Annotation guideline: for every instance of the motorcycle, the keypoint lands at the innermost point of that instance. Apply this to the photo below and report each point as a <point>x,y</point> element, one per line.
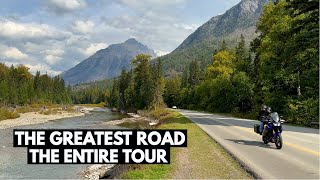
<point>272,130</point>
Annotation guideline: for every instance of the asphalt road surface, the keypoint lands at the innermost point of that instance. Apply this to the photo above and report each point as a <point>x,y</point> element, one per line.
<point>298,158</point>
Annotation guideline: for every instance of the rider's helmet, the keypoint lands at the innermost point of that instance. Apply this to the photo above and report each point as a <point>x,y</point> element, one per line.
<point>263,107</point>
<point>268,109</point>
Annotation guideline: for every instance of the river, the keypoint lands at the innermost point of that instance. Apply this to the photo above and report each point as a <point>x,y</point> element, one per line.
<point>13,161</point>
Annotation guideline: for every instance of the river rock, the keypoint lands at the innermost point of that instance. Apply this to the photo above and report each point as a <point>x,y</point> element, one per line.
<point>98,171</point>
<point>114,110</point>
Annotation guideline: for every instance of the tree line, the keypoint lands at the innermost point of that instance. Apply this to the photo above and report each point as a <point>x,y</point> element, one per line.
<point>19,87</point>
<point>92,92</point>
<point>90,95</point>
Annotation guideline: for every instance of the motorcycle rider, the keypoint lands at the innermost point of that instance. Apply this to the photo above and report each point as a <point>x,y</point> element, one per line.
<point>262,115</point>
<point>266,117</point>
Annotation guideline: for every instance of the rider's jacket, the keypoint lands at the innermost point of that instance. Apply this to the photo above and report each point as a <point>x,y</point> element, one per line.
<point>263,114</point>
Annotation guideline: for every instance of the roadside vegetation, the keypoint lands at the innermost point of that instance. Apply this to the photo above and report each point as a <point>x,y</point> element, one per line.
<point>202,159</point>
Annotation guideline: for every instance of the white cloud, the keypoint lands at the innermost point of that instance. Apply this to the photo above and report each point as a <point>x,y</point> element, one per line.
<point>14,30</point>
<point>55,52</point>
<point>43,69</point>
<point>12,53</point>
<point>161,53</point>
<point>32,47</point>
<point>94,48</point>
<point>33,68</point>
<point>83,26</point>
<point>53,56</point>
<point>191,27</point>
<point>146,4</point>
<point>62,6</point>
<point>51,59</point>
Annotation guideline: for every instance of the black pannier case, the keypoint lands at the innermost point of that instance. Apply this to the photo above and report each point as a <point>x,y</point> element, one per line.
<point>256,128</point>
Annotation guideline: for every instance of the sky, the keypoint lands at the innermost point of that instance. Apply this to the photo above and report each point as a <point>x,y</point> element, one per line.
<point>52,36</point>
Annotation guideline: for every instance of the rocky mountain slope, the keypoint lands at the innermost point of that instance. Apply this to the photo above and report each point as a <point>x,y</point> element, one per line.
<point>106,63</point>
<point>200,45</point>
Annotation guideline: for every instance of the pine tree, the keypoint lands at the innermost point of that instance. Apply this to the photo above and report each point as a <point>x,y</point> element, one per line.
<point>223,46</point>
<point>143,85</point>
<point>185,77</point>
<point>158,81</point>
<point>194,73</point>
<point>123,85</point>
<point>242,63</point>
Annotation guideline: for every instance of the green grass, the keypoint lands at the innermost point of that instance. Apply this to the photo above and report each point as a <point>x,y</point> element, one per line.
<point>203,158</point>
<point>150,171</point>
<point>7,114</point>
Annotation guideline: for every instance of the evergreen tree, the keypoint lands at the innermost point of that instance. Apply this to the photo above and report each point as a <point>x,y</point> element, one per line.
<point>185,77</point>
<point>143,82</point>
<point>123,85</point>
<point>223,46</point>
<point>20,87</point>
<point>194,73</point>
<point>242,62</point>
<point>158,81</point>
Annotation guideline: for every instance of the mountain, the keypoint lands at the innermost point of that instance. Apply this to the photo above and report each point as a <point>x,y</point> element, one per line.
<point>201,44</point>
<point>106,63</point>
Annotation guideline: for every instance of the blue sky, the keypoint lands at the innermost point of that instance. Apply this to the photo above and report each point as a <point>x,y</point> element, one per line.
<point>54,35</point>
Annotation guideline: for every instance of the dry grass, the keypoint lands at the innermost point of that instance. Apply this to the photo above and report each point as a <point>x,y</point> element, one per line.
<point>8,114</point>
<point>102,104</point>
<point>49,111</point>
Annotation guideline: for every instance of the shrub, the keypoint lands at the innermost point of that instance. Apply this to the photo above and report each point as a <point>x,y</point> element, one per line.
<point>7,114</point>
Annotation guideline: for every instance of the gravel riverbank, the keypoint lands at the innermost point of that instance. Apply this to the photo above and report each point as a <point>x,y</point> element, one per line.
<point>37,118</point>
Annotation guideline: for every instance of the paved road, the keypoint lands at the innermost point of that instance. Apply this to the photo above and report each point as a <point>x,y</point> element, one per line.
<point>298,159</point>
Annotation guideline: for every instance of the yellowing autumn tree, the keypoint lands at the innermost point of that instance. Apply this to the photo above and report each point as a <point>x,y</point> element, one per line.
<point>223,64</point>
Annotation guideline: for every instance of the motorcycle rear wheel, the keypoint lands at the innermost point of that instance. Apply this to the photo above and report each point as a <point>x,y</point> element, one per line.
<point>265,139</point>
<point>278,141</point>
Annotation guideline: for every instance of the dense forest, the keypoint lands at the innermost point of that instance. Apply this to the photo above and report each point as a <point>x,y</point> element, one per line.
<point>280,69</point>
<point>19,87</point>
<point>93,92</point>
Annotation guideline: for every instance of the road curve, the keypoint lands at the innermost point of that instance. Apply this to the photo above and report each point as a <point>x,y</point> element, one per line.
<point>298,159</point>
